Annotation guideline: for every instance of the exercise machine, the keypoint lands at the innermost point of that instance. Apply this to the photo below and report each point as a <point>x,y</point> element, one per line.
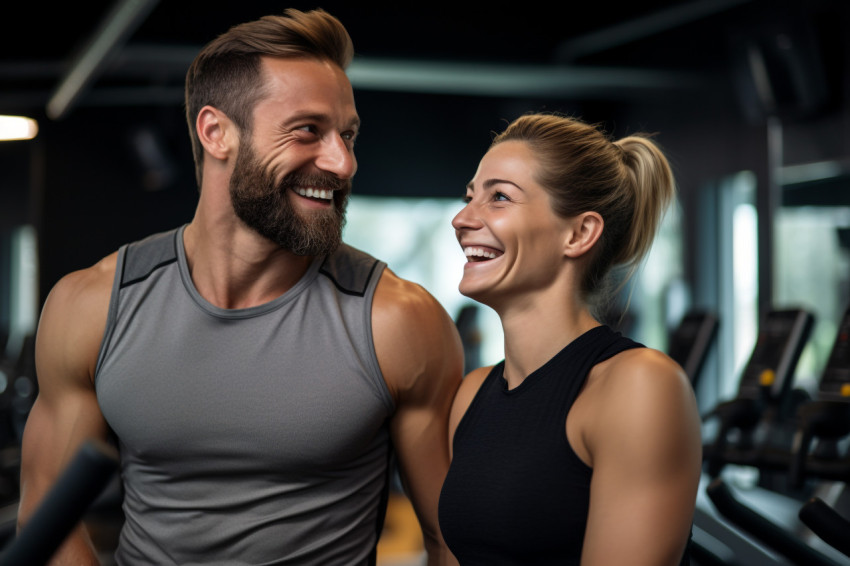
<point>814,533</point>
<point>787,542</point>
<point>765,399</point>
<point>824,422</point>
<point>691,341</point>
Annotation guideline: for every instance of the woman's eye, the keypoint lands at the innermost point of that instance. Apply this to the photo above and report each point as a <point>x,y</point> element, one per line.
<point>500,196</point>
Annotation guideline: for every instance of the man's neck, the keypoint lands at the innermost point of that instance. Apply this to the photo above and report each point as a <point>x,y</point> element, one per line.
<point>234,267</point>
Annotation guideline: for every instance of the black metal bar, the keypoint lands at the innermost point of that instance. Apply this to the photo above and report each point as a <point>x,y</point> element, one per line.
<point>63,506</point>
<point>825,522</point>
<point>781,540</point>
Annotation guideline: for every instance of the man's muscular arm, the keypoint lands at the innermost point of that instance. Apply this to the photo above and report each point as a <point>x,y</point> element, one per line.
<point>66,412</point>
<point>421,357</point>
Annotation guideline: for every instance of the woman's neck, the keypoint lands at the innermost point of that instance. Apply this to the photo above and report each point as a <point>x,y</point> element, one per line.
<point>534,332</point>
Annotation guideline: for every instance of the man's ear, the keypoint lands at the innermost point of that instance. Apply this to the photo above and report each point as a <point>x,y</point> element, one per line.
<point>584,231</point>
<point>216,132</point>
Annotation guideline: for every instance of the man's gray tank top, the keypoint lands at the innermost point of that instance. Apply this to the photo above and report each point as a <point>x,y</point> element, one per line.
<point>247,436</point>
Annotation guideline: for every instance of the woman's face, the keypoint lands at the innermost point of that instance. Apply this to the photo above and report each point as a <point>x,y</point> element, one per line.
<point>512,239</point>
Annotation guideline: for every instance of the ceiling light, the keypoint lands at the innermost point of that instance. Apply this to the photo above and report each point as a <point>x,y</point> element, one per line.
<point>17,128</point>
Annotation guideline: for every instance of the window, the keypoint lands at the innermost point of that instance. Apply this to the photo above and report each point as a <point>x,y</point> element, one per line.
<point>415,237</point>
<point>813,271</point>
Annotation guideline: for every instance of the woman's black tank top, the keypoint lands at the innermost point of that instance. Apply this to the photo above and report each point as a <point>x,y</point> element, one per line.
<point>516,492</point>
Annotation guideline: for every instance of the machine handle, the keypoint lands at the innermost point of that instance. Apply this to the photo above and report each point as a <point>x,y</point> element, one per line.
<point>769,533</point>
<point>63,506</point>
<point>825,522</point>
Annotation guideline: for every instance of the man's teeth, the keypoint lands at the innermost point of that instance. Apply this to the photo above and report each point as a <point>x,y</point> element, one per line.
<point>478,252</point>
<point>316,193</point>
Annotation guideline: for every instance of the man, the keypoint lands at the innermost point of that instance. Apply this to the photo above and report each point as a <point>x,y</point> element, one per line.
<point>253,369</point>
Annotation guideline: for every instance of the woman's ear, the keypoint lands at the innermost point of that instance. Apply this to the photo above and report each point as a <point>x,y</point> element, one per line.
<point>583,232</point>
<point>216,132</point>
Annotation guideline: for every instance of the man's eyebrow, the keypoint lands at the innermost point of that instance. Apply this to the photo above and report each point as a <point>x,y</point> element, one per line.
<point>321,118</point>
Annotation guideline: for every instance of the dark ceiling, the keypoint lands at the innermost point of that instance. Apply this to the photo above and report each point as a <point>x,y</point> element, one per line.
<point>432,81</point>
<point>135,52</point>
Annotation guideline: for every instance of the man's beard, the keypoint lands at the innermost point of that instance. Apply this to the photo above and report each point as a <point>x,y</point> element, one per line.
<point>263,205</point>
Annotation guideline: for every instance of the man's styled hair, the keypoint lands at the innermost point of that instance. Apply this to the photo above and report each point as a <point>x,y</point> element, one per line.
<point>227,73</point>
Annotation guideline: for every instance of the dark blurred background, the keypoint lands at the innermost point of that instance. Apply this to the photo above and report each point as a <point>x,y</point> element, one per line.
<point>749,98</point>
<point>112,161</point>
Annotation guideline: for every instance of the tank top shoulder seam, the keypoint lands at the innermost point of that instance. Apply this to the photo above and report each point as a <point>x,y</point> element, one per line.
<point>125,284</point>
<point>345,290</point>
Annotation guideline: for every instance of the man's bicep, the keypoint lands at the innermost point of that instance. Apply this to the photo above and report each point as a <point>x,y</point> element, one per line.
<point>53,434</point>
<point>65,412</point>
<point>427,378</point>
<point>421,358</point>
<point>414,338</point>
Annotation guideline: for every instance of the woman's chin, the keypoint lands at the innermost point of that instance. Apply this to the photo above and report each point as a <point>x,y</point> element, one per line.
<point>475,291</point>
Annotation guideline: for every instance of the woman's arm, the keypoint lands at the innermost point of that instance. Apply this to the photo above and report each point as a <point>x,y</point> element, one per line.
<point>642,434</point>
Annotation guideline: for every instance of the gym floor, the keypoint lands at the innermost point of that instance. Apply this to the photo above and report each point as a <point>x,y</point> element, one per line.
<point>401,541</point>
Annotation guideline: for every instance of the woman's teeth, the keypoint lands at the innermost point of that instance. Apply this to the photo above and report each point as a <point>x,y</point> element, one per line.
<point>478,252</point>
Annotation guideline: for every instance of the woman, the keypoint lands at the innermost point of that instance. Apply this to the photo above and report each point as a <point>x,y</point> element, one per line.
<point>581,447</point>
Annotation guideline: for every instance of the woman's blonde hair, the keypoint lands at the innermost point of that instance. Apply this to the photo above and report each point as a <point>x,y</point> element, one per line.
<point>629,182</point>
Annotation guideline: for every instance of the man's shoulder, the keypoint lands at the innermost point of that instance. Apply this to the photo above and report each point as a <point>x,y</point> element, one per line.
<point>82,294</point>
<point>95,282</point>
<point>89,278</point>
<point>144,256</point>
<point>409,310</point>
<point>351,270</point>
<point>417,342</point>
<point>348,253</point>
